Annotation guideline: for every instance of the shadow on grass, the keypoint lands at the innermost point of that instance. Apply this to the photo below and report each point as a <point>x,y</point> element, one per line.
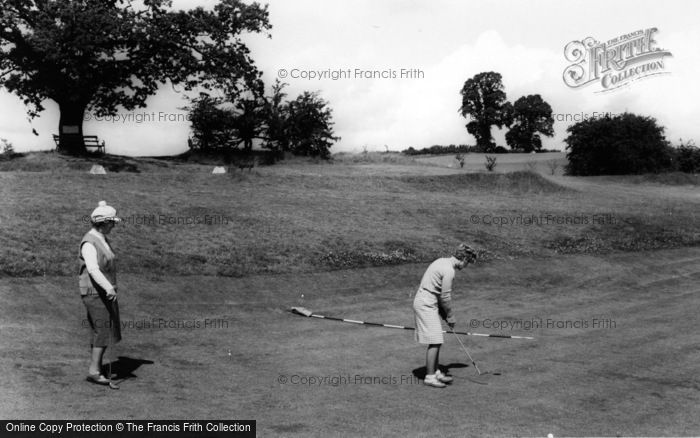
<point>124,367</point>
<point>419,373</point>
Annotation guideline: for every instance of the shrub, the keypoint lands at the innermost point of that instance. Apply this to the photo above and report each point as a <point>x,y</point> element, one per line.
<point>490,163</point>
<point>617,145</point>
<point>438,150</point>
<point>687,157</point>
<point>310,128</point>
<point>7,147</point>
<point>212,124</point>
<point>7,150</point>
<point>346,259</point>
<point>270,158</point>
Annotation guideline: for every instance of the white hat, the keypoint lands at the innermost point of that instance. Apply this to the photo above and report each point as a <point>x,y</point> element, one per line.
<point>104,213</point>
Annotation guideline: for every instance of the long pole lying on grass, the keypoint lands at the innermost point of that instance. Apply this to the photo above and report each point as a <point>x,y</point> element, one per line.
<point>305,312</point>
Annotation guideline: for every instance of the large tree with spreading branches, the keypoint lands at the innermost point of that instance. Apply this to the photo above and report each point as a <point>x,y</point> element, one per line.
<point>99,55</point>
<point>531,117</point>
<point>484,102</point>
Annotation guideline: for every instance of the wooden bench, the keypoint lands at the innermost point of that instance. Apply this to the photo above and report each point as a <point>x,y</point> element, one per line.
<point>91,141</point>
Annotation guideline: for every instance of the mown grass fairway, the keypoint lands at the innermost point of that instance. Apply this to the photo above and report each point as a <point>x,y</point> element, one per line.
<point>355,239</point>
<point>474,162</point>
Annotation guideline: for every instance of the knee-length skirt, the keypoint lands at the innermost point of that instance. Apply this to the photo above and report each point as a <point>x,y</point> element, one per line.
<point>103,319</point>
<point>428,325</point>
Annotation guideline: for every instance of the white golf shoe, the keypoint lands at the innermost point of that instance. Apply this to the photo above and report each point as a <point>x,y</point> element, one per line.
<point>442,377</point>
<point>432,380</point>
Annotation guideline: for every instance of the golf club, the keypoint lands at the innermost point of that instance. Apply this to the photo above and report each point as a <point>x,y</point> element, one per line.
<point>305,312</point>
<point>112,385</point>
<point>480,377</point>
<point>466,351</point>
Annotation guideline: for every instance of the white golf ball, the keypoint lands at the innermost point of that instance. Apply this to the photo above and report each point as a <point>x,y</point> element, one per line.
<point>549,435</point>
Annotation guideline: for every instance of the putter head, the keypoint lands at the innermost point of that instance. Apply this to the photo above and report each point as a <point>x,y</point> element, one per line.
<point>301,311</point>
<point>479,379</point>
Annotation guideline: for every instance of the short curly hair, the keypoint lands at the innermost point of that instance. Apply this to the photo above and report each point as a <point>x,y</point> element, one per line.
<point>465,252</point>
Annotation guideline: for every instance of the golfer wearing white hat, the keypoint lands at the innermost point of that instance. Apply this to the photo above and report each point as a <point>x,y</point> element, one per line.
<point>433,300</point>
<point>98,288</point>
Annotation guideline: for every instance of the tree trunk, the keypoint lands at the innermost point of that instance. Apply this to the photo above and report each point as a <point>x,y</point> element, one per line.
<point>485,141</point>
<point>70,128</point>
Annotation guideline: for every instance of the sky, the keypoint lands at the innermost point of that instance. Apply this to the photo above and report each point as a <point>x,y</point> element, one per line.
<point>363,46</point>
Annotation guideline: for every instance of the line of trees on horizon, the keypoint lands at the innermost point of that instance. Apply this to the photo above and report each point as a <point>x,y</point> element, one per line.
<point>463,149</point>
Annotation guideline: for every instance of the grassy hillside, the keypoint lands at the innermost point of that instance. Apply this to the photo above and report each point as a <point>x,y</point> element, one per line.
<point>303,217</point>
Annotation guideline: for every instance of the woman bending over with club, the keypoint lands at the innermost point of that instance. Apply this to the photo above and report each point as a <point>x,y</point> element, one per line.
<point>433,301</point>
<point>98,288</point>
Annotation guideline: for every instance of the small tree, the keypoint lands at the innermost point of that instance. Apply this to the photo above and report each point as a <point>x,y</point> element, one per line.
<point>617,145</point>
<point>212,124</point>
<point>249,119</point>
<point>276,137</point>
<point>490,163</point>
<point>310,126</point>
<point>8,148</point>
<point>532,116</point>
<point>687,157</point>
<point>484,102</point>
<point>553,165</point>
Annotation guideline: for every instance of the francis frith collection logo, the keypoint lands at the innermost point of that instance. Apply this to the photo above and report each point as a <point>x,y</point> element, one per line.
<point>614,63</point>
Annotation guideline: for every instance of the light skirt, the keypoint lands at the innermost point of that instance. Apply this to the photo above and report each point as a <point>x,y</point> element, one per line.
<point>428,326</point>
